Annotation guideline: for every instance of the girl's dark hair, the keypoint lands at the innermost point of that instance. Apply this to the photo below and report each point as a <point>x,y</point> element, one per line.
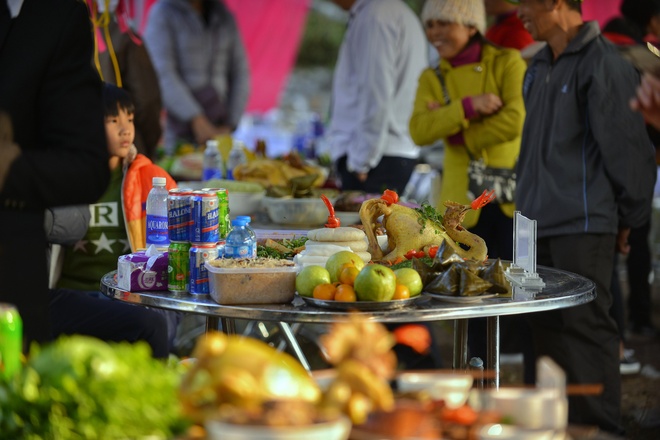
<point>640,11</point>
<point>116,99</point>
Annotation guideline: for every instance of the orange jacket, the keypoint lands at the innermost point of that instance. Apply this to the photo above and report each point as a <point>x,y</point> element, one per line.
<point>136,185</point>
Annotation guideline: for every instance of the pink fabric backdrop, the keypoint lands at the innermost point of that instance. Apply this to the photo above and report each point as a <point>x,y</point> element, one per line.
<point>271,31</point>
<point>601,10</point>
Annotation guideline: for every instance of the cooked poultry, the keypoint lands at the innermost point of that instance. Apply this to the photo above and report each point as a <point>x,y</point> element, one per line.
<point>409,229</point>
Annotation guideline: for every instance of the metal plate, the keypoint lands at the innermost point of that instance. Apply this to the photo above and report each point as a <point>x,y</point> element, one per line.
<point>460,299</point>
<point>363,306</point>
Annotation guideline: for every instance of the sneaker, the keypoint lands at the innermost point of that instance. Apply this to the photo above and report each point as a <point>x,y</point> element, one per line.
<point>629,365</point>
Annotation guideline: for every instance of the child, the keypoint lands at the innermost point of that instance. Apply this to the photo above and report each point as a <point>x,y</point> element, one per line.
<point>116,227</point>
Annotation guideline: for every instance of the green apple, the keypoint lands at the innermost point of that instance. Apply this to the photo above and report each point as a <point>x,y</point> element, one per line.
<point>309,278</point>
<point>375,283</point>
<point>410,278</point>
<point>337,260</point>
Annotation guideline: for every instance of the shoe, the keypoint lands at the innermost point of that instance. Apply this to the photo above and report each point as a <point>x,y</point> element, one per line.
<point>629,365</point>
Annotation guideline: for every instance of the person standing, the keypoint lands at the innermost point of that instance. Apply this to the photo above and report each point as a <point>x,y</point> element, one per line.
<point>53,151</point>
<point>380,59</point>
<point>197,51</point>
<point>586,173</point>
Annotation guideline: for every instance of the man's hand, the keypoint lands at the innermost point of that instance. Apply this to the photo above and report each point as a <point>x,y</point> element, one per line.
<point>647,100</point>
<point>432,105</point>
<point>622,245</point>
<point>9,151</point>
<point>486,104</point>
<point>362,177</point>
<point>202,129</point>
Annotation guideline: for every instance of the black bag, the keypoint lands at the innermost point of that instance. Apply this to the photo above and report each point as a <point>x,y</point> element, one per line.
<point>482,177</point>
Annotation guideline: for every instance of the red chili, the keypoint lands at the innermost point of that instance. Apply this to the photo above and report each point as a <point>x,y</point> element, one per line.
<point>410,254</point>
<point>390,196</point>
<point>433,250</point>
<point>333,222</point>
<point>485,198</point>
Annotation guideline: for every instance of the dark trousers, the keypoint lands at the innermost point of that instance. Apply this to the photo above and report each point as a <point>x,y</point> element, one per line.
<point>391,173</point>
<point>24,271</point>
<point>76,312</point>
<point>583,340</point>
<point>639,265</point>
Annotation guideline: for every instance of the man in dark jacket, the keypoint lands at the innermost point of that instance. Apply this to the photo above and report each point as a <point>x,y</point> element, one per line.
<point>586,173</point>
<point>57,154</point>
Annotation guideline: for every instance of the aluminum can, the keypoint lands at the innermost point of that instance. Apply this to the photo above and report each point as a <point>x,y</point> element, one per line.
<point>11,340</point>
<point>224,222</point>
<point>179,217</point>
<point>199,275</point>
<point>178,266</point>
<point>204,210</point>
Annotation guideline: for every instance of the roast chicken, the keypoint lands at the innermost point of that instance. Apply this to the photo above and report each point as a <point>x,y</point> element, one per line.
<point>414,229</point>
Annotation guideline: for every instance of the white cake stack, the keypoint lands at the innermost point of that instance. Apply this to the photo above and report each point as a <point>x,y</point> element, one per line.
<point>324,242</point>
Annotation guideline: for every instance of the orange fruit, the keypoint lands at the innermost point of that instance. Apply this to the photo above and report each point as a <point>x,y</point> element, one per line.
<point>345,293</point>
<point>325,291</point>
<point>401,292</point>
<point>348,274</point>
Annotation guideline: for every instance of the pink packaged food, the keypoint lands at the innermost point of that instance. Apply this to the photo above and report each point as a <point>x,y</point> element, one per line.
<point>139,272</point>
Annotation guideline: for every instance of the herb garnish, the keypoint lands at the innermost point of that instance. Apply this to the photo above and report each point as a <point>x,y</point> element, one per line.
<point>427,212</point>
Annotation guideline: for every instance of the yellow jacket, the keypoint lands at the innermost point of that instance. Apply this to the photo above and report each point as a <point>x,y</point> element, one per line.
<point>496,137</point>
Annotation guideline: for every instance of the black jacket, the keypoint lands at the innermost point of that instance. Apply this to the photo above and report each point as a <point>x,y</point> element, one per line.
<point>586,164</point>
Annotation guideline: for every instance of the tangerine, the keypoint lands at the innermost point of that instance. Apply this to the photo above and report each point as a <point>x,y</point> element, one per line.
<point>325,291</point>
<point>348,274</point>
<point>346,293</point>
<point>401,292</point>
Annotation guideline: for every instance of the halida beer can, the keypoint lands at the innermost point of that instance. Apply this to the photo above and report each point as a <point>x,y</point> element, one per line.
<point>204,211</point>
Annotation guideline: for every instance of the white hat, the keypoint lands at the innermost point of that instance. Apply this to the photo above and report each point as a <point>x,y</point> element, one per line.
<point>465,12</point>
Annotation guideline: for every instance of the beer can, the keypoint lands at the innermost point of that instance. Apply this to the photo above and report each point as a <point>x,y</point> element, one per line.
<point>224,222</point>
<point>199,275</point>
<point>178,266</point>
<point>11,340</point>
<point>179,217</point>
<point>204,211</point>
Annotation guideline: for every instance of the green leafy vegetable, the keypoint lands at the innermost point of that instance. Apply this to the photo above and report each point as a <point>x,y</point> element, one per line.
<point>83,388</point>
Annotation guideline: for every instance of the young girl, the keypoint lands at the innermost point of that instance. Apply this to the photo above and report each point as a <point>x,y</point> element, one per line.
<point>116,227</point>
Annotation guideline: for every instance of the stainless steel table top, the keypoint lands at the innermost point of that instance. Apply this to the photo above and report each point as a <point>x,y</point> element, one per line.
<point>563,289</point>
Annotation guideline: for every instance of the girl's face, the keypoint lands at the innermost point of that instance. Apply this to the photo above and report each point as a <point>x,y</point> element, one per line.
<point>449,39</point>
<point>119,133</point>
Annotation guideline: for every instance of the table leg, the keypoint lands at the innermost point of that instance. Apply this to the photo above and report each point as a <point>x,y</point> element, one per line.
<point>459,361</point>
<point>212,323</point>
<point>228,326</point>
<point>493,349</point>
<point>290,338</point>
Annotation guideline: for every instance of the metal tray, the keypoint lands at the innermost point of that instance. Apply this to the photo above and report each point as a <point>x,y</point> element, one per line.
<point>363,306</point>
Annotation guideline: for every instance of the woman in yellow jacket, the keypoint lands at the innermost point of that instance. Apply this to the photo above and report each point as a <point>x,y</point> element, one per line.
<point>479,110</point>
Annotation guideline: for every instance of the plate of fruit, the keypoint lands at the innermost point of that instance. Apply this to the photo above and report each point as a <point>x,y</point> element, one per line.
<point>347,283</point>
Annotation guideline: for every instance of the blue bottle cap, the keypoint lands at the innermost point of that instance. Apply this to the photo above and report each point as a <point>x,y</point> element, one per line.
<point>238,221</point>
<point>247,218</point>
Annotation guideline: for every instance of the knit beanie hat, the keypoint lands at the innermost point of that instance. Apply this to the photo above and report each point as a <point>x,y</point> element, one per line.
<point>465,12</point>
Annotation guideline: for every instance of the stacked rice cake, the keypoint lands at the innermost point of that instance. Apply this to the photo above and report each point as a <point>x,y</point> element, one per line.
<point>324,242</point>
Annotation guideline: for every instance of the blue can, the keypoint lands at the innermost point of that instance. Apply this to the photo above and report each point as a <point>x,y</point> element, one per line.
<point>179,217</point>
<point>204,211</point>
<point>199,275</point>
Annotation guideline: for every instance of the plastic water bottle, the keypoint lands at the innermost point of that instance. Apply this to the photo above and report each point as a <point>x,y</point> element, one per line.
<point>252,233</point>
<point>212,167</point>
<point>236,157</point>
<point>239,243</point>
<point>157,215</point>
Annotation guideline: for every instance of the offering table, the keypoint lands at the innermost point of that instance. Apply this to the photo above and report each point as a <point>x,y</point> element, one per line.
<point>563,289</point>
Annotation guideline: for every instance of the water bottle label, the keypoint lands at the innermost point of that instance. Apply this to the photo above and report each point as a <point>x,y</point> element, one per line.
<point>242,251</point>
<point>211,173</point>
<point>157,230</point>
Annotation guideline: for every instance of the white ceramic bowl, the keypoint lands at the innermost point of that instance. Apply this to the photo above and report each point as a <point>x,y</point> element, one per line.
<point>509,432</point>
<point>536,408</point>
<point>289,211</point>
<point>454,389</point>
<point>244,203</point>
<point>335,430</point>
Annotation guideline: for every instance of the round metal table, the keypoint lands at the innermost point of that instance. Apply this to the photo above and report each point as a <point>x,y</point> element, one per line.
<point>563,289</point>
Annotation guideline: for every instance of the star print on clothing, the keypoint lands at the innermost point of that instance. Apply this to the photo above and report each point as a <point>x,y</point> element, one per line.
<point>126,244</point>
<point>81,246</point>
<point>103,243</point>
